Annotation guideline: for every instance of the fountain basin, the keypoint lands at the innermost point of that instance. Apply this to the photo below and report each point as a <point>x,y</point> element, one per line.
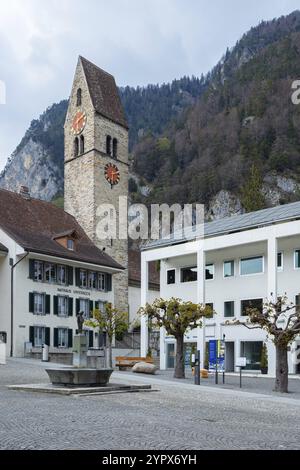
<point>79,376</point>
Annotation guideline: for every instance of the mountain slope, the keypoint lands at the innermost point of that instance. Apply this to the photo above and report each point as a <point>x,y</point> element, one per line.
<point>38,160</point>
<point>196,139</point>
<point>244,118</point>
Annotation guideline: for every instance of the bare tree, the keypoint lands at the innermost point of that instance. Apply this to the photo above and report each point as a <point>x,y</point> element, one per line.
<point>281,320</point>
<point>176,317</point>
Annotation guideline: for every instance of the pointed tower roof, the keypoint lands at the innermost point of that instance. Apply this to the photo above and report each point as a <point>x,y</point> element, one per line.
<point>104,93</point>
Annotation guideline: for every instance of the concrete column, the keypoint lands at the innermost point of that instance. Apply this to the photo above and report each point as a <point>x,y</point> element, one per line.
<point>272,294</point>
<point>201,300</point>
<point>144,290</point>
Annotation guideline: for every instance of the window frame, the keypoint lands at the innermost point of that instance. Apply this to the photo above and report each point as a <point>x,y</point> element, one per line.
<point>295,251</point>
<point>171,283</point>
<point>86,278</point>
<point>211,304</point>
<point>191,269</point>
<point>43,297</point>
<point>252,257</point>
<point>35,329</point>
<point>228,261</point>
<point>59,267</point>
<point>66,331</point>
<point>280,268</point>
<point>66,301</point>
<point>87,303</point>
<point>213,276</point>
<point>41,263</point>
<point>249,300</point>
<point>51,265</point>
<point>103,288</point>
<point>234,309</point>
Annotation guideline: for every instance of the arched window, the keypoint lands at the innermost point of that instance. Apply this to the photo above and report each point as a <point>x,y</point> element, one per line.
<point>81,144</point>
<point>76,147</point>
<point>79,94</point>
<point>108,145</point>
<point>115,148</point>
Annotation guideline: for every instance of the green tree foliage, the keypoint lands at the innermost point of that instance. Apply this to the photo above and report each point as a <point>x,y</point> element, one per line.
<point>252,197</point>
<point>176,317</point>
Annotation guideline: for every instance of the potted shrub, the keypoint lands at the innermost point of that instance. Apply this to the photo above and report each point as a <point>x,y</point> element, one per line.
<point>264,360</point>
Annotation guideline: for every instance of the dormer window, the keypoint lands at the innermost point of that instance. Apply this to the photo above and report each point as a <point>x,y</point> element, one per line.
<point>67,239</point>
<point>70,244</point>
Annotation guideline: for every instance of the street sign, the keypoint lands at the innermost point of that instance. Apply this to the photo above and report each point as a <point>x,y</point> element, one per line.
<point>241,362</point>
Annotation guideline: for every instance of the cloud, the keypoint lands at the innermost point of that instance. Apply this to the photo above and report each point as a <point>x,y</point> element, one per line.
<point>139,41</point>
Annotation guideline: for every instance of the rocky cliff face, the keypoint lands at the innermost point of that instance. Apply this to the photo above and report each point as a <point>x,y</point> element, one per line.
<point>32,166</point>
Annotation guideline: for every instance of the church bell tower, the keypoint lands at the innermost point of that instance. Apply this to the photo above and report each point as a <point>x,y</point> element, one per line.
<point>96,160</point>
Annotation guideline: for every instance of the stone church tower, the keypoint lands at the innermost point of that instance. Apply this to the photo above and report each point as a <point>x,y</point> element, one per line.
<point>96,159</point>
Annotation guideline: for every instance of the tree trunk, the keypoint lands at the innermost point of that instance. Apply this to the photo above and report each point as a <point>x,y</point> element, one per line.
<point>282,370</point>
<point>179,361</point>
<point>110,362</point>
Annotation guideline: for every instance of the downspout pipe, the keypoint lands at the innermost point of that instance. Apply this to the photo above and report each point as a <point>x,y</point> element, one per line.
<point>12,267</point>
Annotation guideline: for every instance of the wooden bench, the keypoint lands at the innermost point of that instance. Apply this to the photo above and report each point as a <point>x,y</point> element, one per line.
<point>126,362</point>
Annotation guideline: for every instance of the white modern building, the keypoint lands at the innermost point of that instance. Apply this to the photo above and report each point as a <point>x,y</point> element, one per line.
<point>239,260</point>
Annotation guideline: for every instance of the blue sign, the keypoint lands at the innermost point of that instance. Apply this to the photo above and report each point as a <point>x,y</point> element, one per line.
<point>216,355</point>
<point>212,354</point>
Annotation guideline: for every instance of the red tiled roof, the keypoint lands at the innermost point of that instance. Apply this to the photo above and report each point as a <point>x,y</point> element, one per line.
<point>33,224</point>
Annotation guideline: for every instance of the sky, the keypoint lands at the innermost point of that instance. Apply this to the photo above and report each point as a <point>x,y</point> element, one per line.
<point>138,41</point>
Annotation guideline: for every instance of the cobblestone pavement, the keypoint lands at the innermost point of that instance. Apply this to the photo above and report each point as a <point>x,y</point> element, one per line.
<point>179,416</point>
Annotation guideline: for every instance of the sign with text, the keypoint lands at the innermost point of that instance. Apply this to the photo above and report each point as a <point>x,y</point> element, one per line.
<point>216,355</point>
<point>241,362</point>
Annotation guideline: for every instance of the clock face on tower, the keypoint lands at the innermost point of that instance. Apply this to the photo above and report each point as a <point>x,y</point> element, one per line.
<point>79,122</point>
<point>112,174</point>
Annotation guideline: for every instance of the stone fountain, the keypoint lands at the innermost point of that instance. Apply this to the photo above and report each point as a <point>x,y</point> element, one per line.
<point>79,375</point>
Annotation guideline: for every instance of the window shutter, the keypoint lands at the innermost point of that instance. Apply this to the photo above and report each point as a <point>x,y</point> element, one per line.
<point>55,338</point>
<point>91,308</point>
<point>77,277</point>
<point>70,275</point>
<point>77,306</point>
<point>31,302</point>
<point>47,336</point>
<point>47,304</point>
<point>91,339</point>
<point>70,338</point>
<point>31,269</point>
<point>31,335</point>
<point>55,305</point>
<point>108,282</point>
<point>70,310</point>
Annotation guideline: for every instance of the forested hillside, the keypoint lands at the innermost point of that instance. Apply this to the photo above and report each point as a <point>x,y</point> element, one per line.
<point>230,139</point>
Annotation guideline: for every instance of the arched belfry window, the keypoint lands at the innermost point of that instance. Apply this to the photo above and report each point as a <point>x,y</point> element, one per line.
<point>79,96</point>
<point>108,145</point>
<point>115,148</point>
<point>82,144</point>
<point>76,147</point>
